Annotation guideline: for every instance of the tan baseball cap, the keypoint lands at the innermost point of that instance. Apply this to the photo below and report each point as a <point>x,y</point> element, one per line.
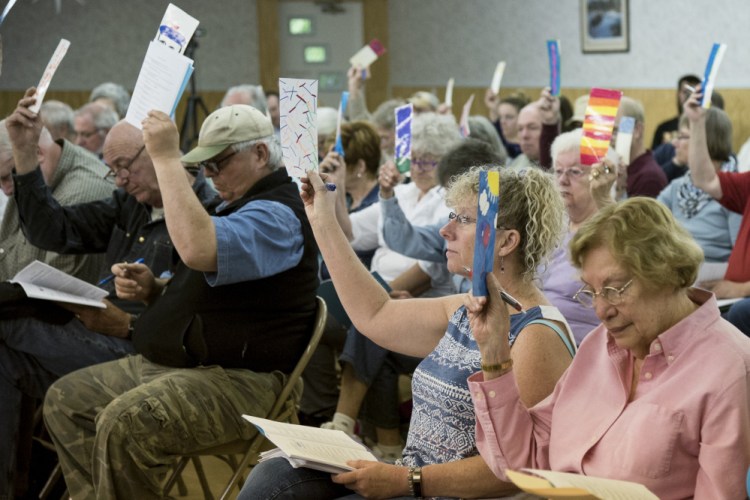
<point>227,126</point>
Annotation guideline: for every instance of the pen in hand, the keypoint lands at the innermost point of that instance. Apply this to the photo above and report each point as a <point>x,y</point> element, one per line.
<point>507,298</point>
<point>112,276</point>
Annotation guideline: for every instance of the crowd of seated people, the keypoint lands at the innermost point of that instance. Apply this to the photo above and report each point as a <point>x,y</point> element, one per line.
<point>212,259</point>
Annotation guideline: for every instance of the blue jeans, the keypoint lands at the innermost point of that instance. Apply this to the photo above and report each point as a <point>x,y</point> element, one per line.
<point>33,354</point>
<point>276,479</point>
<point>379,369</point>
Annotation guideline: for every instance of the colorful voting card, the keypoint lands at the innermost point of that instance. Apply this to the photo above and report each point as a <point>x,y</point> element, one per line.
<point>49,72</point>
<point>367,54</point>
<point>709,76</point>
<point>338,147</point>
<point>553,53</point>
<point>598,124</point>
<point>484,243</point>
<point>404,116</point>
<point>298,102</point>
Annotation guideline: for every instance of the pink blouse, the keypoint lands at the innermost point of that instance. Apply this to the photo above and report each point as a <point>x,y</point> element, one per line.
<point>686,433</point>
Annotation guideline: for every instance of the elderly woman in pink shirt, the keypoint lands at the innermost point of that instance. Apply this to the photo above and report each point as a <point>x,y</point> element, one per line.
<point>658,394</point>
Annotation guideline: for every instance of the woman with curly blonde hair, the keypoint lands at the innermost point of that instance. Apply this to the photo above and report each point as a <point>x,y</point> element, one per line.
<point>441,458</point>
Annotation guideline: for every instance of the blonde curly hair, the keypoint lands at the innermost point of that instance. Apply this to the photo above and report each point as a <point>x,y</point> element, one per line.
<point>530,203</point>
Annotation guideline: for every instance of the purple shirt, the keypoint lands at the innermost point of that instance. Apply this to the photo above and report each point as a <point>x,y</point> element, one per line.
<point>685,433</point>
<point>560,282</point>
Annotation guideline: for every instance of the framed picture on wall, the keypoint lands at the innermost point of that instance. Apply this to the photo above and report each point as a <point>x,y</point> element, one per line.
<point>605,26</point>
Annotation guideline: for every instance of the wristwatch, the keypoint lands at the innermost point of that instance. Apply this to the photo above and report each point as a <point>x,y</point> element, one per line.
<point>415,481</point>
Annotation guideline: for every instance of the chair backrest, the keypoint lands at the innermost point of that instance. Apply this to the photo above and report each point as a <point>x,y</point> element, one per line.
<point>292,378</point>
<point>284,409</point>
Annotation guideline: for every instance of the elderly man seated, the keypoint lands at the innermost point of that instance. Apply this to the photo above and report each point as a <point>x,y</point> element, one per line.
<point>126,224</point>
<point>239,306</point>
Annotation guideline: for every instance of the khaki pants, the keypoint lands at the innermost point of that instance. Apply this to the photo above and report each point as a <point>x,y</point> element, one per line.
<point>119,427</point>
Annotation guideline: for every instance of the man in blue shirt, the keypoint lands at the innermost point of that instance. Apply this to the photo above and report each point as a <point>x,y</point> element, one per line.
<point>239,306</point>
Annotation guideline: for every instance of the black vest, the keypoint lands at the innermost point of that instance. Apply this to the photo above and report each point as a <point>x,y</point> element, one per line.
<point>262,325</point>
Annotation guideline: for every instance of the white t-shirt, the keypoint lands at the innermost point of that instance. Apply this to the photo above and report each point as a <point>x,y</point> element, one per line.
<point>367,229</point>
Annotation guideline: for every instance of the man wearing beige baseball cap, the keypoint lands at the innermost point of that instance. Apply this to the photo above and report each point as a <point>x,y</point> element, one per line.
<point>238,310</point>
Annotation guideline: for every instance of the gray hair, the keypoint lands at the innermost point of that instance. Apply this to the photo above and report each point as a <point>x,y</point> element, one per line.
<point>115,93</point>
<point>254,96</point>
<point>385,114</point>
<point>274,149</point>
<point>58,118</point>
<point>483,129</point>
<point>633,108</point>
<point>434,134</point>
<point>569,141</point>
<point>102,116</point>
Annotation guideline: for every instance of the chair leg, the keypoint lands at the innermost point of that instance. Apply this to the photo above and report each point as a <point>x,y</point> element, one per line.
<point>51,481</point>
<point>176,477</point>
<point>181,486</point>
<point>202,478</point>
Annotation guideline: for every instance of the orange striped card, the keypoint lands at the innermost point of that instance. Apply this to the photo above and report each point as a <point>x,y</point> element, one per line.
<point>598,124</point>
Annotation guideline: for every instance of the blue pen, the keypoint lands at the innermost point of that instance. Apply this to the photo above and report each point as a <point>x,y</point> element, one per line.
<point>112,276</point>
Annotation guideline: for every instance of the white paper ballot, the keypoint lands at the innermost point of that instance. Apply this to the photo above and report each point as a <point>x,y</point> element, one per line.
<point>54,62</point>
<point>160,84</point>
<point>42,281</point>
<point>449,93</point>
<point>497,77</point>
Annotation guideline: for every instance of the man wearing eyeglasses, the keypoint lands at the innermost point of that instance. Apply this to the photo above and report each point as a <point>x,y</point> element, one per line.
<point>111,226</point>
<point>91,123</point>
<point>240,305</point>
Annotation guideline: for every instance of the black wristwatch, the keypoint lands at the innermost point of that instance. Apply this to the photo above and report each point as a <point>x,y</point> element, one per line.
<point>131,326</point>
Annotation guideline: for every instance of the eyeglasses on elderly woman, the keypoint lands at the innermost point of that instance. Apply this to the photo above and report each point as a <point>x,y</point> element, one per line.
<point>586,295</point>
<point>572,173</point>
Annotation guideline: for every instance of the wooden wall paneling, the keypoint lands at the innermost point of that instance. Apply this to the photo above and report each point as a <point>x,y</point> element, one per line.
<point>268,43</point>
<point>375,19</point>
